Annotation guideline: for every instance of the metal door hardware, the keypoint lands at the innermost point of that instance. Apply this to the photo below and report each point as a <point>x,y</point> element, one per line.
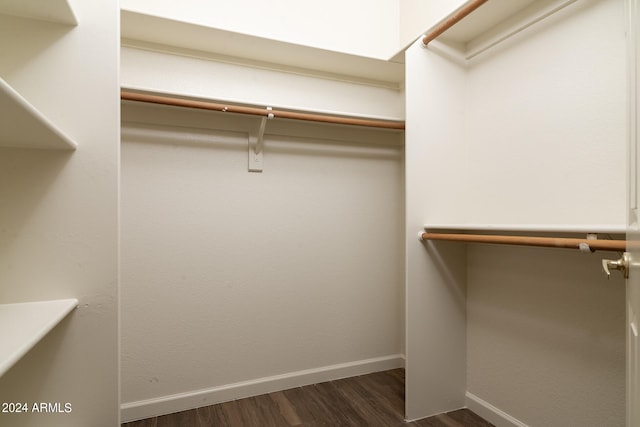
<point>621,264</point>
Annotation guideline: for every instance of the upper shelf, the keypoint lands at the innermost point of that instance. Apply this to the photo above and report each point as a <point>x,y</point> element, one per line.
<point>497,20</point>
<point>140,30</point>
<point>50,10</point>
<point>23,126</point>
<point>530,228</point>
<point>23,325</point>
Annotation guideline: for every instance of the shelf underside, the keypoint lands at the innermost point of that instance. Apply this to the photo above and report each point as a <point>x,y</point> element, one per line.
<point>496,21</point>
<point>50,10</point>
<point>529,228</point>
<point>23,126</point>
<point>23,325</point>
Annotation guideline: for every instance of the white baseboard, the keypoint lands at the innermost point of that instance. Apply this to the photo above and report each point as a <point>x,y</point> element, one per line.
<point>132,411</point>
<point>491,413</point>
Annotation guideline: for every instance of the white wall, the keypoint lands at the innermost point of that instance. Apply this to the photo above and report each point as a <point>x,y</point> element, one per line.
<point>354,27</point>
<point>530,132</point>
<point>58,220</point>
<point>551,105</point>
<point>546,335</point>
<point>544,127</point>
<point>236,283</point>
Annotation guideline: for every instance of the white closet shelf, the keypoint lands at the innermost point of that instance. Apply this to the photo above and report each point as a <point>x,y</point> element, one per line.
<point>530,228</point>
<point>497,20</point>
<point>23,325</point>
<point>50,10</point>
<point>139,29</point>
<point>23,126</point>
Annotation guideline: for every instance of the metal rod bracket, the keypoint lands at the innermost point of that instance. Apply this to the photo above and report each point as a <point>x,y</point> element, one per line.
<point>256,144</point>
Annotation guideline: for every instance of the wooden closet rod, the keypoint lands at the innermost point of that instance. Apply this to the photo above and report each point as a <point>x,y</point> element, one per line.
<point>206,105</point>
<point>548,242</point>
<point>452,20</point>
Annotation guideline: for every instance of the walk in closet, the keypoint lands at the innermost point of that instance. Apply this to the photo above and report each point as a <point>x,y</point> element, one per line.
<point>214,200</point>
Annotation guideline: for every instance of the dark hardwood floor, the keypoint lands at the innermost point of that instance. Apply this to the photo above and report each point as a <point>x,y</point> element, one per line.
<point>375,400</point>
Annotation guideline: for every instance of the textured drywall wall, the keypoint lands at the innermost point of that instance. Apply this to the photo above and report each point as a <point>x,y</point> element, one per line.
<point>546,335</point>
<point>230,276</point>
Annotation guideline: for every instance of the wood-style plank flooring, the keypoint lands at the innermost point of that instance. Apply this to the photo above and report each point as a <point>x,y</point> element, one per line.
<point>374,400</point>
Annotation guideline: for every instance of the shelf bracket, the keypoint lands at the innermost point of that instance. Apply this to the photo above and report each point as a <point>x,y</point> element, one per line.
<point>256,144</point>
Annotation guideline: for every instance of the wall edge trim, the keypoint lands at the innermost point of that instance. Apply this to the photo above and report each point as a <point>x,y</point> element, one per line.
<point>490,412</point>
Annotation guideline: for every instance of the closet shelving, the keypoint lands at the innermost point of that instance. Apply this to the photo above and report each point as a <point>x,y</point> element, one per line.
<point>23,125</point>
<point>472,59</point>
<point>51,10</point>
<point>553,236</point>
<point>474,28</point>
<point>527,228</point>
<point>488,23</point>
<point>24,324</point>
<point>137,28</point>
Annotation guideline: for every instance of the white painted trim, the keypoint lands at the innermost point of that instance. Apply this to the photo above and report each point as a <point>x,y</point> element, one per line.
<point>132,411</point>
<point>542,228</point>
<point>491,413</point>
